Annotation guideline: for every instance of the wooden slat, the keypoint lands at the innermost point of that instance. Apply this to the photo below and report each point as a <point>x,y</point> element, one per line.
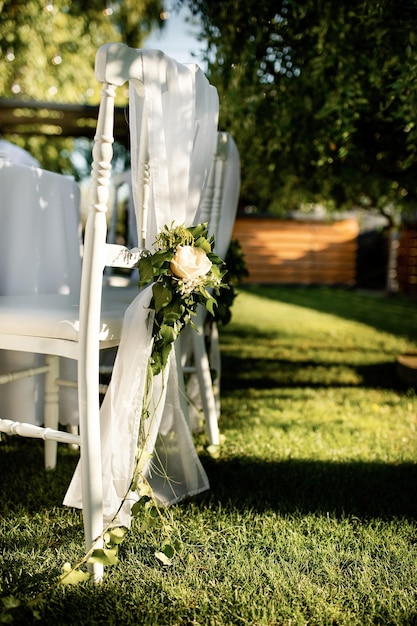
<point>407,262</point>
<point>304,252</point>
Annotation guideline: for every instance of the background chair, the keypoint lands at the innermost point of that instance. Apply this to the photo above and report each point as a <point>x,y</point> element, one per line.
<point>40,253</point>
<point>218,208</point>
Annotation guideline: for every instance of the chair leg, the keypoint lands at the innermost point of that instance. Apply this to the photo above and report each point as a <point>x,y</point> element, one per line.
<point>206,388</point>
<point>90,458</point>
<point>51,416</point>
<point>215,364</point>
<point>181,383</point>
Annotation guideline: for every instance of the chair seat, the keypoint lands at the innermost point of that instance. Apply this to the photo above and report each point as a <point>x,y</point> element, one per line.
<point>55,316</point>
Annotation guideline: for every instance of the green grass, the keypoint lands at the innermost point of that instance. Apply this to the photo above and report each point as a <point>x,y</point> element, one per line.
<point>311,516</point>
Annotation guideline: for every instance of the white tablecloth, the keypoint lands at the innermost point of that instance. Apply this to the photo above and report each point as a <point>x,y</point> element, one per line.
<point>39,253</point>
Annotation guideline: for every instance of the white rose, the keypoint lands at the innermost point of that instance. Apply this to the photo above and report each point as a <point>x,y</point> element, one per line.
<point>190,262</point>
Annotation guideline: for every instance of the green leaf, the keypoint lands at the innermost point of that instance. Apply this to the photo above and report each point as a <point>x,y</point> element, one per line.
<point>152,510</point>
<point>139,506</point>
<point>202,243</point>
<point>173,310</point>
<point>162,295</point>
<point>210,304</point>
<point>143,457</point>
<point>162,256</point>
<point>204,292</point>
<point>72,576</point>
<point>200,230</point>
<point>165,352</point>
<point>168,550</point>
<point>145,271</point>
<point>105,556</point>
<point>215,259</point>
<point>163,558</point>
<point>168,334</point>
<point>147,524</point>
<point>10,602</point>
<point>117,534</point>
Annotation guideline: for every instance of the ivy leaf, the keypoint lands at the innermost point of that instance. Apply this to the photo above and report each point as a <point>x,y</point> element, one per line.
<point>105,556</point>
<point>173,310</point>
<point>10,602</point>
<point>117,534</point>
<point>162,295</point>
<point>161,257</point>
<point>168,334</point>
<point>168,550</point>
<point>145,271</point>
<point>161,556</point>
<point>216,260</point>
<point>72,576</point>
<point>210,304</point>
<point>139,506</point>
<point>200,230</point>
<point>202,243</point>
<point>143,457</point>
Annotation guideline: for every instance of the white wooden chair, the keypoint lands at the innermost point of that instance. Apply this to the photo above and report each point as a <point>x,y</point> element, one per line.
<point>54,324</point>
<point>218,208</point>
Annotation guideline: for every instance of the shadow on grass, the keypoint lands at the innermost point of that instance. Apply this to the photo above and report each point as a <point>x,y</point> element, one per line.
<point>258,373</point>
<point>303,486</point>
<point>365,490</point>
<point>25,484</point>
<point>392,314</point>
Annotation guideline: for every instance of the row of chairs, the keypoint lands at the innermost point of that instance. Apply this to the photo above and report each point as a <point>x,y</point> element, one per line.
<point>64,322</point>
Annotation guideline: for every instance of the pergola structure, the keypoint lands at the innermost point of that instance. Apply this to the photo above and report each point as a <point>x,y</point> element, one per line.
<point>29,118</point>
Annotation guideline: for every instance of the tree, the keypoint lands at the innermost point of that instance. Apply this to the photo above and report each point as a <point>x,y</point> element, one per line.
<point>48,49</point>
<point>320,97</point>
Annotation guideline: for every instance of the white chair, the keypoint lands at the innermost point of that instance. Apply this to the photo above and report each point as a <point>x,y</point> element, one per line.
<point>40,253</point>
<point>218,208</point>
<point>54,324</point>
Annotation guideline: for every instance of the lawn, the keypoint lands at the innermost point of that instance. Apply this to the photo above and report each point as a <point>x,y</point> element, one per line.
<point>311,516</point>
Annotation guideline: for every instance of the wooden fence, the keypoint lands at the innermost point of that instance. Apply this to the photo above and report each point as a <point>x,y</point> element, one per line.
<point>407,262</point>
<point>298,252</point>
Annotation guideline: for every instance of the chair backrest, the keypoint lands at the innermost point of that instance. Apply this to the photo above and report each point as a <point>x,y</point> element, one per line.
<point>220,201</point>
<point>173,113</point>
<point>123,209</point>
<point>40,233</point>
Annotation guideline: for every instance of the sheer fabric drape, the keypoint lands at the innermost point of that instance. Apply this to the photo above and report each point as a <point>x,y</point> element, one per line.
<point>173,114</point>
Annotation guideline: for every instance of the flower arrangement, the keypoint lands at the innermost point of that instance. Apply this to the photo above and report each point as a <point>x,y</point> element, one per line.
<point>185,272</point>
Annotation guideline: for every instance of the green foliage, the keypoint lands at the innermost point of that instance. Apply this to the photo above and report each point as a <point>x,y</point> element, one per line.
<point>236,272</point>
<point>320,98</point>
<point>177,291</point>
<point>47,52</point>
